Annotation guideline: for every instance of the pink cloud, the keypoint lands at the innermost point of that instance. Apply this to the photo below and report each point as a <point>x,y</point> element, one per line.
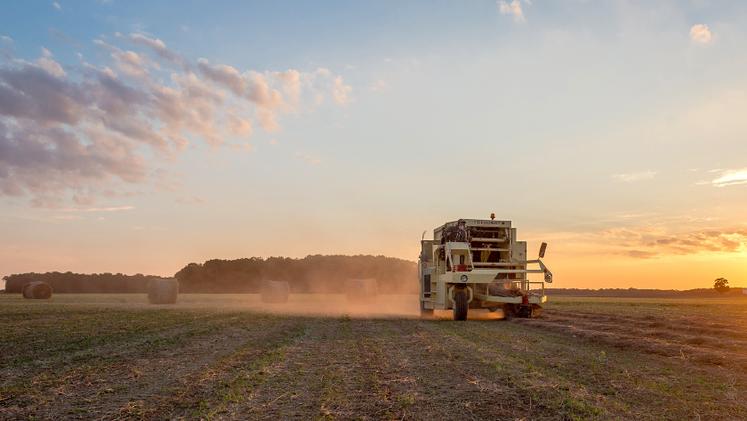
<point>70,136</point>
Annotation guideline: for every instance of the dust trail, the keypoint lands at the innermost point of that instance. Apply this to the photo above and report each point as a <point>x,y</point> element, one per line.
<point>299,304</point>
<point>381,306</point>
<point>339,305</point>
<point>472,314</point>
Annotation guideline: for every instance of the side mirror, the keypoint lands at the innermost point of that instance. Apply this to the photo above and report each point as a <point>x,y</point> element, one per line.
<point>543,248</point>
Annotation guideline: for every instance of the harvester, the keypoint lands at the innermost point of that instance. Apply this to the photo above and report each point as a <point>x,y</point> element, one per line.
<point>479,264</point>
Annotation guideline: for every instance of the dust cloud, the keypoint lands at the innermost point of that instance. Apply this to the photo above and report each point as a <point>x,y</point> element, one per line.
<point>381,306</point>
<point>333,305</point>
<point>336,305</point>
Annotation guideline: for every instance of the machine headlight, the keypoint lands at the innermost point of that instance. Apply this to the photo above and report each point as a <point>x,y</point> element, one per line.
<point>464,278</point>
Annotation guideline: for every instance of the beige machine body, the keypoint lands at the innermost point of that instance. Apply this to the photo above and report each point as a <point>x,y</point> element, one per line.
<point>483,261</point>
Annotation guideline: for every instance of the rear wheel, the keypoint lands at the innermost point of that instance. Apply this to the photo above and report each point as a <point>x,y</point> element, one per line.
<point>461,304</point>
<point>525,312</point>
<point>508,311</point>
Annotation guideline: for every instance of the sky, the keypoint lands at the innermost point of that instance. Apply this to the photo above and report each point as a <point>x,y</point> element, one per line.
<point>139,136</point>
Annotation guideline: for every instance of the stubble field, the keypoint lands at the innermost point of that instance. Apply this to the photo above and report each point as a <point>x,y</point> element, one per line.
<point>230,357</point>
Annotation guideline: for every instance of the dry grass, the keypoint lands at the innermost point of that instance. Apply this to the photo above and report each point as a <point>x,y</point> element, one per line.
<point>230,357</point>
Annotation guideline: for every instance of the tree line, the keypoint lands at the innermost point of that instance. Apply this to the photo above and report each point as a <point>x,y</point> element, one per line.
<point>62,282</point>
<point>315,273</point>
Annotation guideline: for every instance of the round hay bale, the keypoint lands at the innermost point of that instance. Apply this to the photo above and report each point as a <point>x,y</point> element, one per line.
<point>275,291</point>
<point>361,290</point>
<point>163,291</point>
<point>37,290</point>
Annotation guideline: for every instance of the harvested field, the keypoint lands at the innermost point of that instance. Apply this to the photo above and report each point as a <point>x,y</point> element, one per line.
<point>232,357</point>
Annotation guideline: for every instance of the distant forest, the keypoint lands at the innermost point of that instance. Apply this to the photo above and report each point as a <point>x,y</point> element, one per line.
<point>79,282</point>
<point>310,274</point>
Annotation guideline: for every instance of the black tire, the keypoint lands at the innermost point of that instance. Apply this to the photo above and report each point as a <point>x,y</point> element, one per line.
<point>461,304</point>
<point>525,312</point>
<point>508,312</point>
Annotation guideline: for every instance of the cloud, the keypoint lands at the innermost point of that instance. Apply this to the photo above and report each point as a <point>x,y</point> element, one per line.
<point>640,254</point>
<point>190,200</point>
<point>95,129</point>
<point>340,91</point>
<point>105,209</point>
<point>269,91</point>
<point>635,176</point>
<point>378,86</point>
<point>31,92</point>
<point>309,159</point>
<point>261,93</point>
<point>130,62</point>
<point>240,126</point>
<point>291,85</point>
<point>701,34</point>
<point>158,47</point>
<point>47,63</point>
<point>56,5</point>
<point>67,217</point>
<point>512,9</point>
<point>731,178</point>
<point>267,120</point>
<point>47,160</point>
<point>225,75</point>
<point>648,242</point>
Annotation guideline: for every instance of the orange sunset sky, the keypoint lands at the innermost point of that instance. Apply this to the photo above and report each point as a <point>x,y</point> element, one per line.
<point>137,138</point>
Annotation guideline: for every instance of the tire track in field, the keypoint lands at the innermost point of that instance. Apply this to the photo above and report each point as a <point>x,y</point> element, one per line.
<point>357,361</point>
<point>686,325</point>
<point>496,364</point>
<point>659,330</point>
<point>376,386</point>
<point>622,382</point>
<point>299,385</point>
<point>61,345</point>
<point>448,381</point>
<point>53,362</point>
<point>337,370</point>
<point>171,373</point>
<point>112,379</point>
<point>658,342</point>
<point>210,391</point>
<point>387,374</point>
<point>370,369</point>
<point>578,382</point>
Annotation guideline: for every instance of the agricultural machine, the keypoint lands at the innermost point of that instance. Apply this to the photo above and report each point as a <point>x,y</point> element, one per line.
<point>478,264</point>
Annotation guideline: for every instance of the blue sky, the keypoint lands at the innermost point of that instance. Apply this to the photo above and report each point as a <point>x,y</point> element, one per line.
<point>612,129</point>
